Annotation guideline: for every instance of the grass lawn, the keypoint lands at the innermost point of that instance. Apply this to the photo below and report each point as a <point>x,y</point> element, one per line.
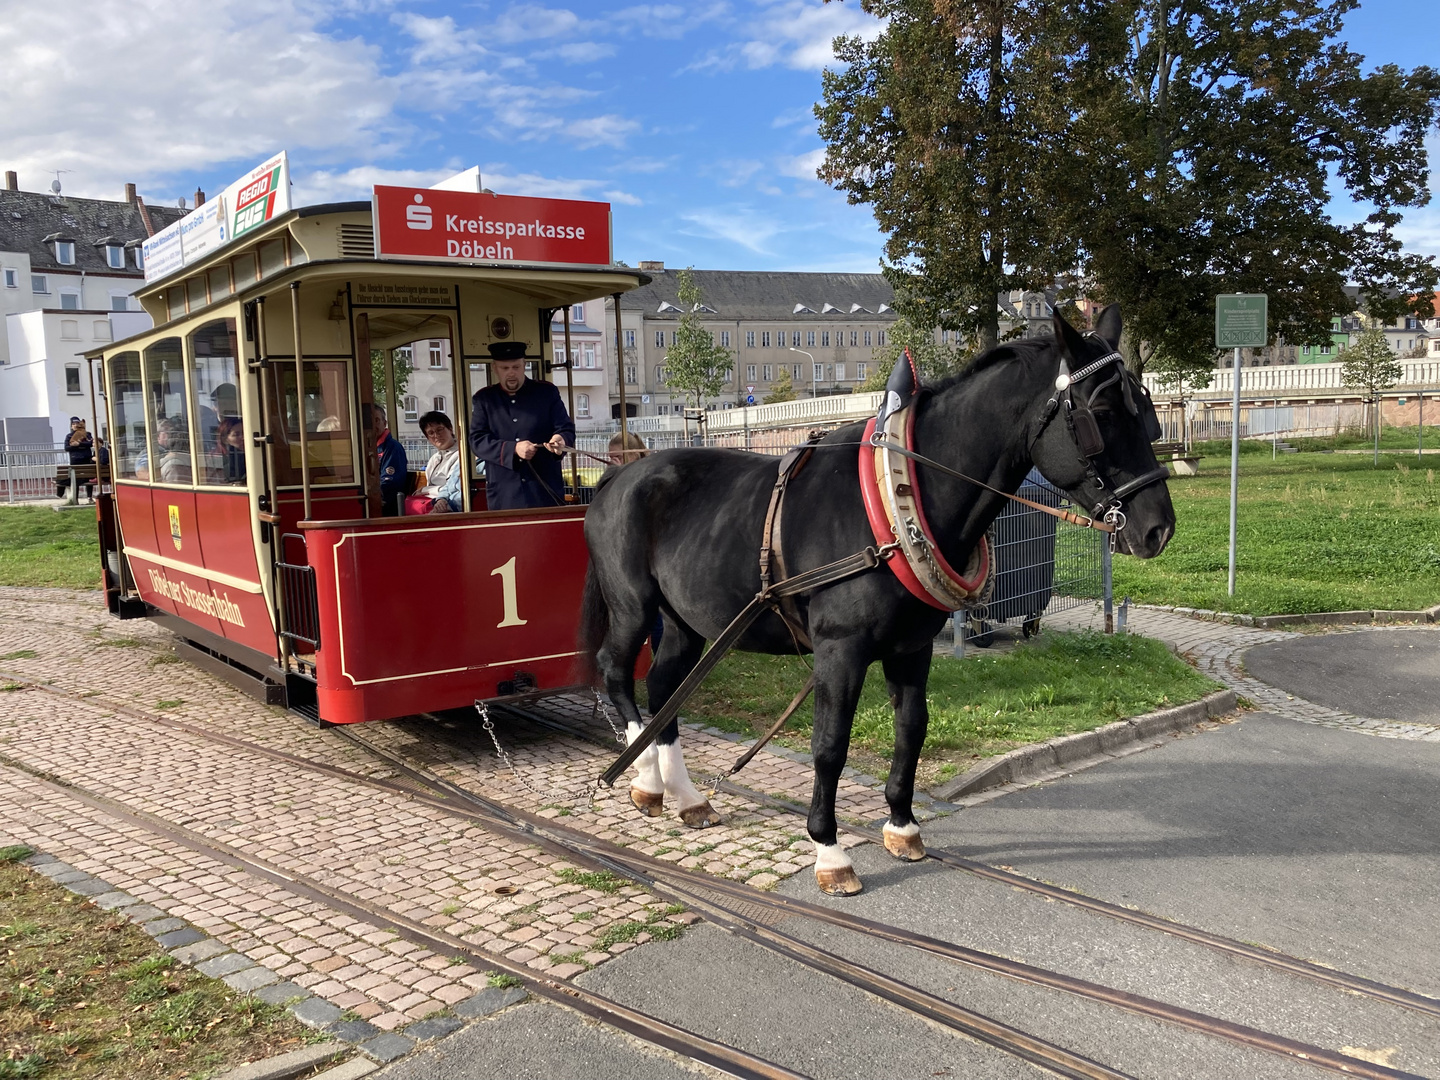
<point>1055,685</point>
<point>85,994</point>
<point>39,546</point>
<point>1315,532</point>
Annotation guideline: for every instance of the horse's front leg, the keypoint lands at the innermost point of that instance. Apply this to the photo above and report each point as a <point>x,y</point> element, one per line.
<point>680,650</point>
<point>839,674</point>
<point>906,677</point>
<point>616,661</point>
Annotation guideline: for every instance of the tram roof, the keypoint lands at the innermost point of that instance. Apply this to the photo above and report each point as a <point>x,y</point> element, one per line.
<point>312,252</point>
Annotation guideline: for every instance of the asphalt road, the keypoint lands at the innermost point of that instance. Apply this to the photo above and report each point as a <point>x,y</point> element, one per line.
<point>1319,842</point>
<point>1387,674</point>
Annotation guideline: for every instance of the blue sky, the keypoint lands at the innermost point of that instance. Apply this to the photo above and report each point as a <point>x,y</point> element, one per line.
<point>693,119</point>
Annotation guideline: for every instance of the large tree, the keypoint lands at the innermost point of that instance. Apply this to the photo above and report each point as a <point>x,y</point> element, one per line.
<point>1169,149</point>
<point>1216,133</point>
<point>952,125</point>
<point>694,364</point>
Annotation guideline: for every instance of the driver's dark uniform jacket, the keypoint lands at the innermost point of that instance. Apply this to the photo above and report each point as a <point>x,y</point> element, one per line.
<point>500,420</point>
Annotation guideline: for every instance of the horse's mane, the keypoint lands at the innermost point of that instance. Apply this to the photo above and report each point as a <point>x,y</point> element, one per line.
<point>1025,349</point>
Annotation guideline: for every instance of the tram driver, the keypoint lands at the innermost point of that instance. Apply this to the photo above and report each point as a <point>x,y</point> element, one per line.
<point>520,429</point>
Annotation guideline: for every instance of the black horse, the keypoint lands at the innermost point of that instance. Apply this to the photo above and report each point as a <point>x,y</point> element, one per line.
<point>679,533</point>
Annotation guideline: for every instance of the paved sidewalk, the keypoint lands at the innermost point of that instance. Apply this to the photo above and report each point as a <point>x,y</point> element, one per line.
<point>1218,649</point>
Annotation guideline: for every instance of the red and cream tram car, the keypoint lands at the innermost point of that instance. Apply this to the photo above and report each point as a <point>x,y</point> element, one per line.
<point>246,509</point>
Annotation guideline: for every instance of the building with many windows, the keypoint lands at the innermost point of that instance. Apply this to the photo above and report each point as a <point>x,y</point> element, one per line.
<point>67,266</point>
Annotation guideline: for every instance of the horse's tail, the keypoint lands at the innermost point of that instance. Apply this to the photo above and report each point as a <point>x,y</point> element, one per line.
<point>594,625</point>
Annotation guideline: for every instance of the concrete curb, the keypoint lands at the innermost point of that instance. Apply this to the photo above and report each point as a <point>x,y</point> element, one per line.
<point>1374,616</point>
<point>196,949</point>
<point>1029,763</point>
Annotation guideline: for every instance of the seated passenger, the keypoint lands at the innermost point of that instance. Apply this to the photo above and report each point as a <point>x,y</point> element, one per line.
<point>172,440</point>
<point>441,493</point>
<point>393,463</point>
<point>229,452</point>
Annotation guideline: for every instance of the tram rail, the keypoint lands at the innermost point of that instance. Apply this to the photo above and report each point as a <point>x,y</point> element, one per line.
<point>747,913</point>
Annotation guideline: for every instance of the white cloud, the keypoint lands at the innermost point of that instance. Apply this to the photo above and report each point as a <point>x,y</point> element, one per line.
<point>608,130</point>
<point>666,20</point>
<point>803,166</point>
<point>186,101</point>
<point>736,173</point>
<point>795,33</point>
<point>623,197</point>
<point>498,178</point>
<point>322,186</point>
<point>584,52</point>
<point>738,225</point>
<point>529,22</point>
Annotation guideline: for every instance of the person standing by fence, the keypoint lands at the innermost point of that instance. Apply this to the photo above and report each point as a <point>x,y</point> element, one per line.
<point>80,447</point>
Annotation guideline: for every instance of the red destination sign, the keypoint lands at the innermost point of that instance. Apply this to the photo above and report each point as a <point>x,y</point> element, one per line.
<point>468,226</point>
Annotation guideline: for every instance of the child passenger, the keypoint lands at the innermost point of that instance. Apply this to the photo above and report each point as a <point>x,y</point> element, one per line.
<point>441,493</point>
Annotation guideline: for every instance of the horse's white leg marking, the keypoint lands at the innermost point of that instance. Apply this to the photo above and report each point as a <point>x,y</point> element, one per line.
<point>647,790</point>
<point>904,842</point>
<point>695,809</point>
<point>834,872</point>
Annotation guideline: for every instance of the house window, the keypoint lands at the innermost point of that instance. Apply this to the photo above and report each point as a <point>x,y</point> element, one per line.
<point>412,408</point>
<point>750,372</point>
<point>119,302</point>
<point>867,338</point>
<point>819,373</point>
<point>749,339</point>
<point>795,338</point>
<point>766,372</point>
<point>436,358</point>
<point>630,339</point>
<point>100,330</point>
<point>659,374</point>
<point>582,406</point>
<point>65,252</point>
<point>795,372</point>
<point>72,378</point>
<point>880,337</point>
<point>69,300</point>
<point>630,375</point>
<point>439,403</point>
<point>659,339</point>
<point>12,278</point>
<point>840,372</point>
<point>672,339</point>
<point>810,339</point>
<point>765,339</point>
<point>139,257</point>
<point>589,349</point>
<point>780,339</point>
<point>115,256</point>
<point>577,313</point>
<point>39,283</point>
<point>725,338</point>
<point>70,329</point>
<point>559,355</point>
<point>1324,350</point>
<point>403,354</point>
<point>824,339</point>
<point>860,371</point>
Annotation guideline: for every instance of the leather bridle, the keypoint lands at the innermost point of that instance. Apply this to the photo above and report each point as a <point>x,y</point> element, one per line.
<point>1077,408</point>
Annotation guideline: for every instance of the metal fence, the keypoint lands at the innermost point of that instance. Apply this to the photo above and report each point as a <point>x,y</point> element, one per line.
<point>29,473</point>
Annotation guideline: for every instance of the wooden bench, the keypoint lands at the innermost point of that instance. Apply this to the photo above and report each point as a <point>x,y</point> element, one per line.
<point>1184,464</point>
<point>84,474</point>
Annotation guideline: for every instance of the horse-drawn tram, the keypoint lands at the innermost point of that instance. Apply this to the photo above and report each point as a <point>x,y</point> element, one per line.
<point>248,513</point>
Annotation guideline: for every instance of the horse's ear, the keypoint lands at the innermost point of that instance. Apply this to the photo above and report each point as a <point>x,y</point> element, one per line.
<point>1109,325</point>
<point>1068,338</point>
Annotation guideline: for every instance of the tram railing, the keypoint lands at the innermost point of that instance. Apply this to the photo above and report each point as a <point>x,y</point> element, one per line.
<point>300,608</point>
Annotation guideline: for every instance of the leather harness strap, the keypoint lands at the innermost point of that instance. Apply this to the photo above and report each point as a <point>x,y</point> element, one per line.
<point>772,557</point>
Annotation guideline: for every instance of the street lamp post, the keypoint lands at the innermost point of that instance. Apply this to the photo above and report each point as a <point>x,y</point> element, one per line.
<point>812,369</point>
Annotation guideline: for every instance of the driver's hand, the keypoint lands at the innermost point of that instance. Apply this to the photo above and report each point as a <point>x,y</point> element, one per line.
<point>525,449</point>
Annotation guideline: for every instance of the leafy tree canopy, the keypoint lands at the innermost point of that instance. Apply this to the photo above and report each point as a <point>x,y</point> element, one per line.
<point>1168,150</point>
<point>1369,365</point>
<point>934,360</point>
<point>782,389</point>
<point>695,364</point>
<point>404,368</point>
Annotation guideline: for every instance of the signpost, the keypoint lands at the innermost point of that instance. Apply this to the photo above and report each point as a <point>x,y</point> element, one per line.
<point>1240,323</point>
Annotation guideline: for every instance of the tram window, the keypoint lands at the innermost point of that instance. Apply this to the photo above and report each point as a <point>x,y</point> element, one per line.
<point>169,461</point>
<point>216,382</point>
<point>326,415</point>
<point>127,399</point>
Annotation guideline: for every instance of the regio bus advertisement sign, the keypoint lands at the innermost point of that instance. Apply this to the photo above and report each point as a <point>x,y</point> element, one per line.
<point>1240,321</point>
<point>259,196</point>
<point>463,226</point>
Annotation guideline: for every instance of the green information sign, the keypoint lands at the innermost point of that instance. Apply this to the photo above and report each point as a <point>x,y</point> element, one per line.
<point>1240,321</point>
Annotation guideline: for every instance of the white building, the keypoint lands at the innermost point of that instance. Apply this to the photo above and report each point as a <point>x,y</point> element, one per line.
<point>66,265</point>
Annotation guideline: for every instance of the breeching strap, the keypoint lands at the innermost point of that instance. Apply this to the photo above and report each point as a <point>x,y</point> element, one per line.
<point>828,574</point>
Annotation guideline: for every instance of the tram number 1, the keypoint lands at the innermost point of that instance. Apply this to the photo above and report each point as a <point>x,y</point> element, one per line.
<point>507,588</point>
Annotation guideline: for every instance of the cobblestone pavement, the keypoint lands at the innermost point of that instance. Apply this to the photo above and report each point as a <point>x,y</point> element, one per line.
<point>1218,649</point>
<point>367,843</point>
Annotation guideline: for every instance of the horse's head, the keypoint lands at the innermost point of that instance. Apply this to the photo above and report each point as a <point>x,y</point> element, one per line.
<point>1092,436</point>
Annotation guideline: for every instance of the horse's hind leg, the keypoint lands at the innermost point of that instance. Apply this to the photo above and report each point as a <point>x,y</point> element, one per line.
<point>616,660</point>
<point>839,674</point>
<point>906,677</point>
<point>680,651</point>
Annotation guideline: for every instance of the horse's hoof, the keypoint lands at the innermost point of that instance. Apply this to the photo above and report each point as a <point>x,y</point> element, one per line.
<point>838,881</point>
<point>908,847</point>
<point>649,803</point>
<point>700,817</point>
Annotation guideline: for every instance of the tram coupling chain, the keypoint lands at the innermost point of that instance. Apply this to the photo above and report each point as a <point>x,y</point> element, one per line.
<point>589,792</point>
